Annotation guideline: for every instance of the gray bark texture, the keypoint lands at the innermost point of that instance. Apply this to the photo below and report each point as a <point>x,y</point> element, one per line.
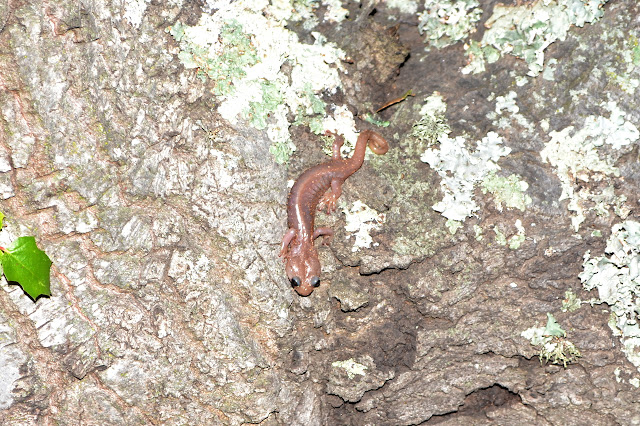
<point>163,220</point>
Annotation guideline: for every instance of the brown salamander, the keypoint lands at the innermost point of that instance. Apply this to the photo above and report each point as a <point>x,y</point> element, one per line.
<point>310,191</point>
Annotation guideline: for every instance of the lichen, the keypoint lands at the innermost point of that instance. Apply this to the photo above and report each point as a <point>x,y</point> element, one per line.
<point>243,48</point>
<point>460,169</point>
<point>570,302</point>
<point>526,30</point>
<point>575,156</point>
<point>552,343</point>
<point>447,22</point>
<point>624,71</point>
<point>360,221</point>
<point>515,241</point>
<point>509,191</point>
<point>351,367</point>
<point>432,123</point>
<point>616,276</point>
<point>500,238</point>
<point>478,231</point>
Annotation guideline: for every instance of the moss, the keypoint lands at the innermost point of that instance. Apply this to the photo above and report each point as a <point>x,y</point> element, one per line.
<point>419,231</point>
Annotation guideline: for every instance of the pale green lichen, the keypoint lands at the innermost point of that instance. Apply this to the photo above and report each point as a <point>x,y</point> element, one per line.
<point>515,241</point>
<point>550,69</point>
<point>570,302</point>
<point>453,226</point>
<point>243,48</point>
<point>616,276</point>
<point>552,343</point>
<point>478,230</point>
<point>432,124</point>
<point>509,191</point>
<point>449,21</point>
<point>369,118</point>
<point>235,50</point>
<point>351,367</point>
<point>506,111</point>
<point>526,30</point>
<point>500,238</point>
<point>575,157</point>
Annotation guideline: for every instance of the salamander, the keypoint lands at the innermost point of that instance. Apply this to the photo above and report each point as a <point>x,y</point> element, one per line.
<point>310,193</point>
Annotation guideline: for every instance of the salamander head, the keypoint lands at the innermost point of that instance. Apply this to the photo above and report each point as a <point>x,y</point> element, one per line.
<point>303,271</point>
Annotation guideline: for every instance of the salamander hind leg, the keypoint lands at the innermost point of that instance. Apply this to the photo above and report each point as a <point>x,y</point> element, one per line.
<point>327,233</point>
<point>329,199</point>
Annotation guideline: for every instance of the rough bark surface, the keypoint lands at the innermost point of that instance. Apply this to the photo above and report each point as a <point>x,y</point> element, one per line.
<point>169,304</point>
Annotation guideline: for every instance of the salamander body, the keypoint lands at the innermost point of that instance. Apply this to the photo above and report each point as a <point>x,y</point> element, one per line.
<point>307,194</point>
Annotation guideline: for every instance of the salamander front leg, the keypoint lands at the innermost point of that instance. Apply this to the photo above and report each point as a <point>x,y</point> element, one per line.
<point>337,144</point>
<point>286,240</point>
<point>327,233</point>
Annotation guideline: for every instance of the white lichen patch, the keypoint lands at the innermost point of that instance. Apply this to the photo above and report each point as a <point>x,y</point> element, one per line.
<point>616,276</point>
<point>461,169</point>
<point>341,122</point>
<point>335,12</point>
<point>506,111</point>
<point>12,359</point>
<point>134,11</point>
<point>575,157</point>
<point>526,30</point>
<point>408,7</point>
<point>351,367</point>
<point>361,220</point>
<point>244,47</point>
<point>447,22</point>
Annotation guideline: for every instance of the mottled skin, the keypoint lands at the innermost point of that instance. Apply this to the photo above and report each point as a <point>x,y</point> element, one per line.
<point>309,191</point>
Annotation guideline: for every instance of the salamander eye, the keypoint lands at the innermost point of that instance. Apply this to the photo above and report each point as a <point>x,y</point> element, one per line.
<point>295,282</point>
<point>315,282</point>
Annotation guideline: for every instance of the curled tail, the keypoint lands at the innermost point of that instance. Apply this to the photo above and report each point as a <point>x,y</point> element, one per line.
<point>377,143</point>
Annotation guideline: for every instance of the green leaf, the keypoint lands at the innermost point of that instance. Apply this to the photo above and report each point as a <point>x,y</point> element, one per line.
<point>27,265</point>
<point>1,218</point>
